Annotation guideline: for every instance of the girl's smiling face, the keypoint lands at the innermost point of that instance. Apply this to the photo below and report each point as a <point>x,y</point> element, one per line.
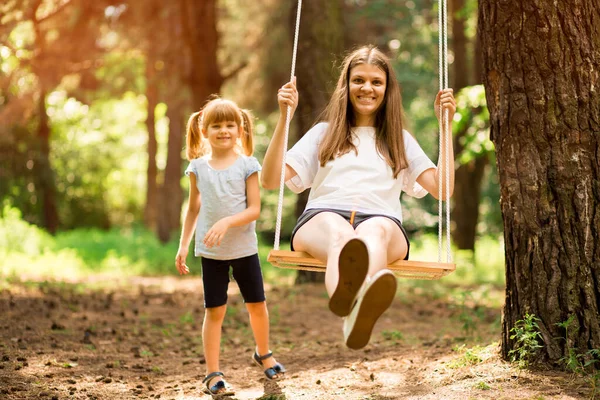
<point>366,89</point>
<point>222,135</point>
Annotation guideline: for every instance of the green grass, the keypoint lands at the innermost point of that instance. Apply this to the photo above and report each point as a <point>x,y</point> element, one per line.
<point>28,251</point>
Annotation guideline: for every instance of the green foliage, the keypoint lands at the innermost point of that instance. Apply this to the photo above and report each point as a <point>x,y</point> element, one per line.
<point>96,158</point>
<point>394,335</point>
<point>482,385</point>
<point>528,339</point>
<point>485,266</point>
<point>470,314</point>
<point>585,364</point>
<point>469,357</point>
<point>473,118</point>
<point>187,318</point>
<point>18,236</point>
<point>20,153</point>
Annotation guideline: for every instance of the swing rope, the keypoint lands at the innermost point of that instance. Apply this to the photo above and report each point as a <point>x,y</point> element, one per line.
<point>402,268</point>
<point>443,130</point>
<point>288,117</point>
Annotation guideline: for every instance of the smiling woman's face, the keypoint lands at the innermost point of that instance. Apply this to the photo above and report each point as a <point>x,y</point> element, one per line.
<point>367,90</point>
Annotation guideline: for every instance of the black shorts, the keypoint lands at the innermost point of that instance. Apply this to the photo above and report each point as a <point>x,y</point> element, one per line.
<point>246,272</point>
<point>355,220</point>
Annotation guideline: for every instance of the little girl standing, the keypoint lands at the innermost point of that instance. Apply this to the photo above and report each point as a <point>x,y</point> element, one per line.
<point>224,204</point>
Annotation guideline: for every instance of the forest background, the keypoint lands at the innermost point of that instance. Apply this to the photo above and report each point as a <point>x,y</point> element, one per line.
<point>94,99</point>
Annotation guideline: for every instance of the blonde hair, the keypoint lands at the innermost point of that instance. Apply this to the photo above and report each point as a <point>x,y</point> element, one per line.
<point>339,113</point>
<point>218,110</point>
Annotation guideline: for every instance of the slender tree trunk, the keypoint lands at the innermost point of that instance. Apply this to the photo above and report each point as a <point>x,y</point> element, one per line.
<point>320,42</point>
<point>460,43</point>
<point>171,193</point>
<point>541,74</point>
<point>150,211</point>
<point>46,174</point>
<point>467,186</point>
<point>466,199</point>
<point>199,22</point>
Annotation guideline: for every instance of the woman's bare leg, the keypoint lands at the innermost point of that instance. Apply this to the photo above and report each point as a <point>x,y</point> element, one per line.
<point>323,237</point>
<point>385,241</point>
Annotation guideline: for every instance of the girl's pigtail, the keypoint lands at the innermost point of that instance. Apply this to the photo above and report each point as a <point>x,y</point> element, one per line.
<point>248,135</point>
<point>193,137</point>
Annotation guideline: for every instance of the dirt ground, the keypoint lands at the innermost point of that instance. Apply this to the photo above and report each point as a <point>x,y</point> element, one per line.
<point>143,341</point>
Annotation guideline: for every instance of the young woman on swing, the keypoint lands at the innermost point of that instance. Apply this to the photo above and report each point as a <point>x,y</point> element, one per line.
<point>357,162</point>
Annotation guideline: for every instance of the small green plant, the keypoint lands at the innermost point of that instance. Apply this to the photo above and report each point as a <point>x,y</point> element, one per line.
<point>481,385</point>
<point>187,318</point>
<point>581,364</point>
<point>470,357</point>
<point>392,335</point>
<point>469,316</point>
<point>157,370</point>
<point>274,315</point>
<point>146,353</point>
<point>527,337</point>
<point>273,396</point>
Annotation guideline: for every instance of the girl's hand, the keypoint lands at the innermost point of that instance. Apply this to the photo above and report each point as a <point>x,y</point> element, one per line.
<point>288,96</point>
<point>446,99</point>
<point>216,233</point>
<point>180,261</point>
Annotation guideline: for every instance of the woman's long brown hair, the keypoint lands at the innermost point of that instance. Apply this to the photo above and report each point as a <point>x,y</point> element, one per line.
<point>339,113</point>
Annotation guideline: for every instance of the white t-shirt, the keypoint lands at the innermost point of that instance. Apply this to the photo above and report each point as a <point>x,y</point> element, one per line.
<point>362,182</point>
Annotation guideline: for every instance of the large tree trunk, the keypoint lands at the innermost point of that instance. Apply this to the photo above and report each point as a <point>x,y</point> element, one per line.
<point>541,74</point>
<point>321,39</point>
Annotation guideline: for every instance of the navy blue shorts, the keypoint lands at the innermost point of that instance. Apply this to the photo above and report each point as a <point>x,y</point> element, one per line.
<point>353,217</point>
<point>246,272</point>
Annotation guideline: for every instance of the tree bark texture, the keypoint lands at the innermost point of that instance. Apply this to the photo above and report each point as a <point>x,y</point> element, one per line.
<point>541,75</point>
<point>320,43</point>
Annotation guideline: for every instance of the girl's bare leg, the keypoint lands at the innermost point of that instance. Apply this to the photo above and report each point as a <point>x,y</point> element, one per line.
<point>211,338</point>
<point>323,237</point>
<point>259,322</point>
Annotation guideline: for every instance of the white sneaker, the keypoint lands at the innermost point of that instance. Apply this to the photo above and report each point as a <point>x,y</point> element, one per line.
<point>376,296</point>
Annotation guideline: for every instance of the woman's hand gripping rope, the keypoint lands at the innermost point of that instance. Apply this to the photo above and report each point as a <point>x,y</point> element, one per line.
<point>446,99</point>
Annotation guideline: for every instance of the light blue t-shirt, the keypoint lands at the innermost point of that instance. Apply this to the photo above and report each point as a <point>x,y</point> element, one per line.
<point>222,194</point>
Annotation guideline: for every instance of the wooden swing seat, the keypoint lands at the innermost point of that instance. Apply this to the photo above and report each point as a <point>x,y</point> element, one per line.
<point>428,270</point>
